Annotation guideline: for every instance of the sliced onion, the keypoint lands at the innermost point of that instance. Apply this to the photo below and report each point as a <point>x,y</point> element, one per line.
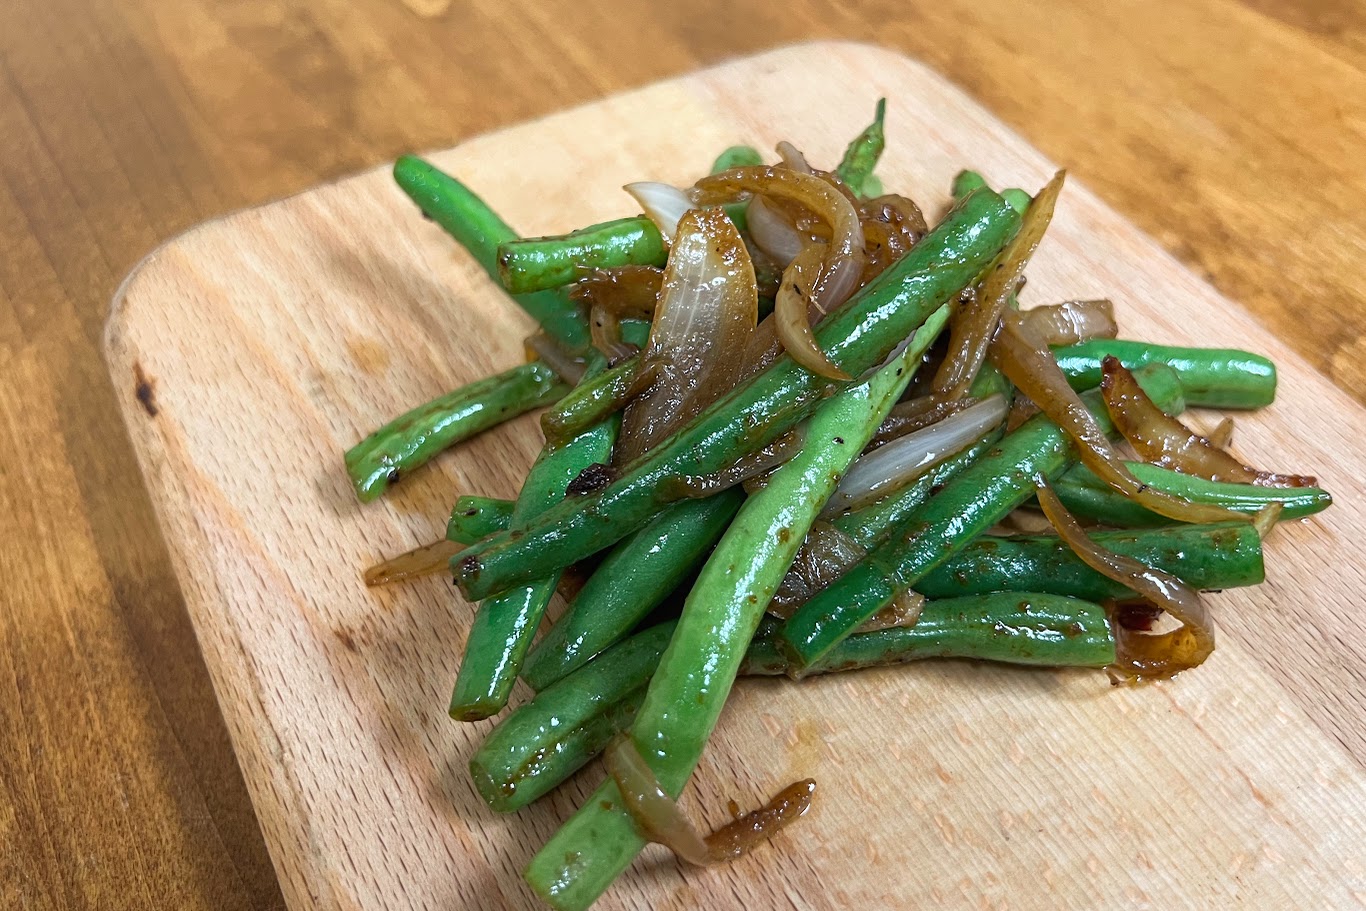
<point>420,561</point>
<point>1035,372</point>
<point>660,819</point>
<point>793,157</point>
<point>746,467</point>
<point>914,414</point>
<point>825,555</point>
<point>569,368</point>
<point>1159,438</point>
<point>662,203</point>
<point>1222,434</point>
<point>974,325</point>
<point>749,830</point>
<point>654,811</point>
<point>901,461</point>
<point>791,314</point>
<point>623,290</point>
<point>773,233</point>
<point>818,196</point>
<point>1071,322</point>
<point>706,313</point>
<point>1140,656</point>
<point>605,331</point>
<point>903,612</point>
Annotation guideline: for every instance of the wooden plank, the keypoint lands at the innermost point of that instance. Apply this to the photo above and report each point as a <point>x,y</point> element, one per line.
<point>275,338</point>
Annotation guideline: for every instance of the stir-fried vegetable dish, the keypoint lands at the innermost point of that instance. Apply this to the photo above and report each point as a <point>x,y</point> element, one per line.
<point>796,425</point>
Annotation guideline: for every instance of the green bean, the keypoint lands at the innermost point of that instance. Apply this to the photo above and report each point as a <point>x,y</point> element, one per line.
<point>413,439</point>
<point>633,580</point>
<point>973,501</point>
<point>966,182</point>
<point>737,157</point>
<point>1223,555</point>
<point>1211,377</point>
<point>856,337</point>
<point>1018,199</point>
<point>1011,627</point>
<point>860,158</point>
<point>504,624</point>
<point>475,517</point>
<point>478,229</point>
<point>872,187</point>
<point>725,605</point>
<point>1089,497</point>
<point>543,742</point>
<point>591,401</point>
<point>541,263</point>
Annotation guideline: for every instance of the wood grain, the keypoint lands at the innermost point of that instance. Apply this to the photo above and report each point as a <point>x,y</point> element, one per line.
<point>1228,130</point>
<point>278,336</point>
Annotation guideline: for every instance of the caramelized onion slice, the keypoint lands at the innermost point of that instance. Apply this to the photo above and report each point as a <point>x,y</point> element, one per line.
<point>1071,322</point>
<point>974,324</point>
<point>707,311</point>
<point>660,819</point>
<point>825,555</point>
<point>1140,656</point>
<point>1035,372</point>
<point>605,329</point>
<point>623,290</point>
<point>791,313</point>
<point>420,561</point>
<point>1159,438</point>
<point>746,467</point>
<point>818,196</point>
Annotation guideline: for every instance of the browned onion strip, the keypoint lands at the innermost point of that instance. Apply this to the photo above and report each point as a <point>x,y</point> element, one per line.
<point>623,290</point>
<point>420,561</point>
<point>748,831</point>
<point>790,313</point>
<point>556,357</point>
<point>748,466</point>
<point>706,314</point>
<point>1159,438</point>
<point>605,330</point>
<point>904,611</point>
<point>1266,519</point>
<point>1071,322</point>
<point>1036,374</point>
<point>655,812</point>
<point>818,196</point>
<point>974,324</point>
<point>825,555</point>
<point>660,820</point>
<point>1140,656</point>
<point>1222,434</point>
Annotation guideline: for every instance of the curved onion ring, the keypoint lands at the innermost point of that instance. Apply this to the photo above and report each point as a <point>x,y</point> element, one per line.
<point>1035,372</point>
<point>661,821</point>
<point>1071,322</point>
<point>1140,656</point>
<point>1159,438</point>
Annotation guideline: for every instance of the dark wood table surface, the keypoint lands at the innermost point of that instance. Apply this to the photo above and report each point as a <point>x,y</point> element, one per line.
<point>1231,131</point>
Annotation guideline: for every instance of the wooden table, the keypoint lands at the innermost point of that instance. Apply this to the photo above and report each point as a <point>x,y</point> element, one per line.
<point>1231,131</point>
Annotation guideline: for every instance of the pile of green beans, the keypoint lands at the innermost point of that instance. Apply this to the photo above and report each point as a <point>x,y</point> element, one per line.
<point>672,609</point>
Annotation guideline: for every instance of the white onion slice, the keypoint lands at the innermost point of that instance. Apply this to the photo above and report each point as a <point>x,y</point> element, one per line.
<point>662,203</point>
<point>772,233</point>
<point>899,462</point>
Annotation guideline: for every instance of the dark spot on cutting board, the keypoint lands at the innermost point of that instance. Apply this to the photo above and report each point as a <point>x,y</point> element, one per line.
<point>144,387</point>
<point>346,639</point>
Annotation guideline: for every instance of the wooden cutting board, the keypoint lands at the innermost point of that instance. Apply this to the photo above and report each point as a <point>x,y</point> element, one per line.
<point>253,350</point>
